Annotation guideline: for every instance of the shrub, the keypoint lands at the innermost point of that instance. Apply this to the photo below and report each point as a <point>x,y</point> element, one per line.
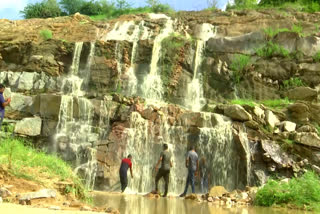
<point>71,6</point>
<point>91,8</point>
<point>277,103</point>
<point>157,7</point>
<point>238,64</point>
<point>270,32</point>
<point>301,192</point>
<point>46,34</point>
<point>271,49</point>
<point>316,57</point>
<point>44,9</point>
<point>292,82</point>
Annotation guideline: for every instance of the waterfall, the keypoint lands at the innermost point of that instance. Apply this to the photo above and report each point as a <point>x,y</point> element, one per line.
<point>194,99</point>
<point>152,84</point>
<point>75,134</point>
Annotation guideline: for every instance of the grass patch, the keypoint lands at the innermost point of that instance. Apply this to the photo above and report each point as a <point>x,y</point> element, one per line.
<point>271,49</point>
<point>46,34</point>
<point>316,57</point>
<point>277,103</point>
<point>238,64</point>
<point>292,83</point>
<point>270,32</point>
<point>19,156</point>
<point>243,102</point>
<point>318,128</point>
<point>302,192</point>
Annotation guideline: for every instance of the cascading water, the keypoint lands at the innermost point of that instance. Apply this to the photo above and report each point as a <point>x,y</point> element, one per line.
<point>194,99</point>
<point>152,84</point>
<point>75,137</point>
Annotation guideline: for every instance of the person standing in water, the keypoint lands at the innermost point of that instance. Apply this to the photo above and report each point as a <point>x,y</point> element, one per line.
<point>192,163</point>
<point>125,165</point>
<point>164,171</point>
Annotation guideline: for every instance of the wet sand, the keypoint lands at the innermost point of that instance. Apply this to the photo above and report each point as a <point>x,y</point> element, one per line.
<point>9,208</point>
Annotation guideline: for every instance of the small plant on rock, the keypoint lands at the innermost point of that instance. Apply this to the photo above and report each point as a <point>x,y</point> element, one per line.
<point>292,82</point>
<point>316,57</point>
<point>271,49</point>
<point>46,34</point>
<point>238,64</point>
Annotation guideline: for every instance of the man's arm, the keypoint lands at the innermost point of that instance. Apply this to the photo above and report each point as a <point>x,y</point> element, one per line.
<point>159,161</point>
<point>7,102</point>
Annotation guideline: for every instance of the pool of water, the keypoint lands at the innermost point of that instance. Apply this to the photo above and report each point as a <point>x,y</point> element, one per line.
<point>137,204</point>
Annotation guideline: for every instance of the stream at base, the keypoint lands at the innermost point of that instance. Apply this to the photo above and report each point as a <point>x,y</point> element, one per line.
<point>137,204</point>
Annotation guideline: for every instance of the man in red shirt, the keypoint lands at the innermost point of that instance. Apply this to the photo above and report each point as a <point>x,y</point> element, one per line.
<point>125,164</point>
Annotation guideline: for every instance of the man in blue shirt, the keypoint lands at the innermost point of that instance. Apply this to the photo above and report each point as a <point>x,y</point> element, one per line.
<point>192,163</point>
<point>3,103</point>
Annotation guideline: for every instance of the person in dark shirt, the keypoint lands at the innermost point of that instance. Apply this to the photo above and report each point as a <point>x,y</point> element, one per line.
<point>164,171</point>
<point>3,103</point>
<point>125,165</point>
<point>192,163</point>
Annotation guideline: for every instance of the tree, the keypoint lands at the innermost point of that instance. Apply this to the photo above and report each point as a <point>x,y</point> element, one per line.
<point>157,7</point>
<point>71,6</point>
<point>212,4</point>
<point>44,9</point>
<point>122,4</point>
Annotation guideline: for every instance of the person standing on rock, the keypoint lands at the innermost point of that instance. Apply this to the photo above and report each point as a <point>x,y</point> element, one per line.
<point>192,163</point>
<point>125,165</point>
<point>164,171</point>
<point>4,103</point>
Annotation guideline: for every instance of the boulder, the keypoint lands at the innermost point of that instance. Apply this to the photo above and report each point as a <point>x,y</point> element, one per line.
<point>302,93</point>
<point>237,112</point>
<point>13,78</point>
<point>288,126</point>
<point>299,112</point>
<point>217,191</point>
<point>49,106</point>
<point>271,119</point>
<point>112,210</point>
<point>20,102</point>
<point>26,80</point>
<point>274,152</point>
<point>29,126</point>
<point>307,128</point>
<point>193,197</point>
<point>4,192</point>
<point>245,44</point>
<point>258,112</point>
<point>44,193</point>
<point>308,45</point>
<point>308,139</point>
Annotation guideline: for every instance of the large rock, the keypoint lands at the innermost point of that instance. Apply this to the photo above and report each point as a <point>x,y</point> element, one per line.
<point>302,93</point>
<point>49,106</point>
<point>246,44</point>
<point>29,126</point>
<point>271,119</point>
<point>308,138</point>
<point>288,126</point>
<point>217,191</point>
<point>309,45</point>
<point>237,112</point>
<point>20,102</point>
<point>26,80</point>
<point>44,193</point>
<point>299,112</point>
<point>274,152</point>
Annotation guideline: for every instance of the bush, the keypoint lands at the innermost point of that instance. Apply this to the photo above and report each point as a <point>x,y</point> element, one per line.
<point>71,6</point>
<point>91,8</point>
<point>292,82</point>
<point>238,64</point>
<point>46,34</point>
<point>301,192</point>
<point>316,57</point>
<point>271,50</point>
<point>44,9</point>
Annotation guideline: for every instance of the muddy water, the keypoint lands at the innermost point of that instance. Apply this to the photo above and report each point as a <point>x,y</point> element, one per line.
<point>136,204</point>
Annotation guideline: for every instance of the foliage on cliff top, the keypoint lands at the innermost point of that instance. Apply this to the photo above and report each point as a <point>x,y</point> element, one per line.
<point>298,5</point>
<point>302,192</point>
<point>98,9</point>
<point>19,156</point>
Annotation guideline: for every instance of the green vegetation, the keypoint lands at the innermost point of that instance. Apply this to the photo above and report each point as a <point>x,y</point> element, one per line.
<point>299,5</point>
<point>44,9</point>
<point>271,32</point>
<point>292,82</point>
<point>238,64</point>
<point>302,192</point>
<point>287,144</point>
<point>26,162</point>
<point>318,128</point>
<point>98,9</point>
<point>46,34</point>
<point>171,47</point>
<point>316,57</point>
<point>243,102</point>
<point>271,50</point>
<point>277,103</point>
